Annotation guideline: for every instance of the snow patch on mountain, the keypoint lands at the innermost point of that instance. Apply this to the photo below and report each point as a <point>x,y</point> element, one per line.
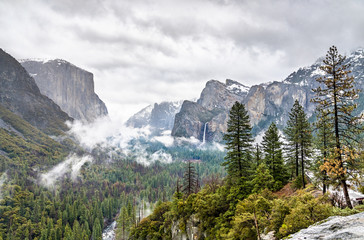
<point>235,88</point>
<point>318,71</point>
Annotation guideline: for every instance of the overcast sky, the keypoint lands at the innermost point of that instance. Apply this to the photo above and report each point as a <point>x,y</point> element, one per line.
<point>144,51</point>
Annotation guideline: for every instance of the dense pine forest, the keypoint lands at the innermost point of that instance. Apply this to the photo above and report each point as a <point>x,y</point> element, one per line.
<point>79,209</point>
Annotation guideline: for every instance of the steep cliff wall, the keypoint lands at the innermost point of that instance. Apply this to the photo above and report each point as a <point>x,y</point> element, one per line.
<point>72,88</point>
<point>20,94</point>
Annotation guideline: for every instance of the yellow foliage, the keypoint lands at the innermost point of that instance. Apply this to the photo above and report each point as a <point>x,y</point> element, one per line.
<point>336,166</point>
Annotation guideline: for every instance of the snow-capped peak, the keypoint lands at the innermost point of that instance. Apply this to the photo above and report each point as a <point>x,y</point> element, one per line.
<point>41,60</point>
<point>236,87</point>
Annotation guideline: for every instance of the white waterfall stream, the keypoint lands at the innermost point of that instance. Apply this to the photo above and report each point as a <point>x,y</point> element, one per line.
<point>204,134</point>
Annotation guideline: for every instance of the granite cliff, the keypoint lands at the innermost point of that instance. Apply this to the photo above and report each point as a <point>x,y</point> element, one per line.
<point>20,94</point>
<point>71,87</point>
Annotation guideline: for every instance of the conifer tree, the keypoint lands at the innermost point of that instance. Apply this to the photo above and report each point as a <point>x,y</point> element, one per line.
<point>96,230</point>
<point>272,147</point>
<point>324,142</point>
<point>257,155</point>
<point>189,179</point>
<point>262,179</point>
<point>292,136</point>
<point>299,137</point>
<point>305,142</point>
<point>238,143</point>
<point>336,95</point>
<point>123,223</point>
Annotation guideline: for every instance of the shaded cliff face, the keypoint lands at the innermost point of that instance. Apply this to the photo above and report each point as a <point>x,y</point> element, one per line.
<point>212,109</point>
<point>72,88</point>
<point>159,116</point>
<point>20,94</point>
<point>265,103</point>
<point>191,120</point>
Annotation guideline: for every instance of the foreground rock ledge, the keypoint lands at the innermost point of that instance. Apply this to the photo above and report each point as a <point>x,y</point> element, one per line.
<point>336,227</point>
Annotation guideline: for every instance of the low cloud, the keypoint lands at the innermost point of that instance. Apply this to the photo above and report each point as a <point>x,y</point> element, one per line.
<point>3,179</point>
<point>72,165</point>
<point>166,139</point>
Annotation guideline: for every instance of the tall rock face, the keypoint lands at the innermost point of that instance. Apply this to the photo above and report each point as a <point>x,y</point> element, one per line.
<point>159,117</point>
<point>20,94</point>
<point>265,103</point>
<point>207,118</point>
<point>191,120</point>
<point>72,88</point>
<point>211,109</point>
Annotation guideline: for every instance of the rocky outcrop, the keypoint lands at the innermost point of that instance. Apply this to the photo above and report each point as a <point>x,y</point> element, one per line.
<point>192,230</point>
<point>20,94</point>
<point>191,120</point>
<point>159,116</point>
<point>72,88</point>
<point>337,227</point>
<point>265,103</point>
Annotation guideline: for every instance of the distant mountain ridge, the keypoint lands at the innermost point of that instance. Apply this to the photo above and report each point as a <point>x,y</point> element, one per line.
<point>71,87</point>
<point>159,117</point>
<point>265,103</point>
<point>20,94</point>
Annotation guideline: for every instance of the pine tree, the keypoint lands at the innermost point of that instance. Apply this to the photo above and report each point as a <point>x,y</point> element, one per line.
<point>189,179</point>
<point>96,230</point>
<point>257,155</point>
<point>123,223</point>
<point>262,179</point>
<point>336,95</point>
<point>305,142</point>
<point>299,137</point>
<point>292,136</point>
<point>324,142</point>
<point>238,143</point>
<point>272,147</point>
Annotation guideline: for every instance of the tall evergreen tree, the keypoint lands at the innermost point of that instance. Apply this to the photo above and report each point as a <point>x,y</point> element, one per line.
<point>292,136</point>
<point>336,95</point>
<point>272,147</point>
<point>123,223</point>
<point>257,155</point>
<point>324,142</point>
<point>305,142</point>
<point>189,179</point>
<point>96,230</point>
<point>299,137</point>
<point>238,143</point>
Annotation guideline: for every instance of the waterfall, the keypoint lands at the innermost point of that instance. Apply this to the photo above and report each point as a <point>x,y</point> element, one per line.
<point>204,134</point>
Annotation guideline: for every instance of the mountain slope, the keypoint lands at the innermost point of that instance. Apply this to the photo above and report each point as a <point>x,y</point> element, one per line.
<point>72,88</point>
<point>21,143</point>
<point>20,94</point>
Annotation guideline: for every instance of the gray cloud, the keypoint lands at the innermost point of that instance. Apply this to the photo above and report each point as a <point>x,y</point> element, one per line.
<point>146,51</point>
